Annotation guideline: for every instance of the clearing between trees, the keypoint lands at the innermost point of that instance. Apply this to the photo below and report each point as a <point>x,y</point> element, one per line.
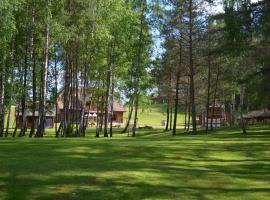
<point>224,164</point>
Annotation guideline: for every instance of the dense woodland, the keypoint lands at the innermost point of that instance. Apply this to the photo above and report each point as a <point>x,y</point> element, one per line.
<point>108,50</point>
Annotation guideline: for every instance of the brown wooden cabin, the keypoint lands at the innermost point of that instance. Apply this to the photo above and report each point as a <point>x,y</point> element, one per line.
<point>91,112</point>
<point>256,117</point>
<point>217,114</point>
<point>50,117</point>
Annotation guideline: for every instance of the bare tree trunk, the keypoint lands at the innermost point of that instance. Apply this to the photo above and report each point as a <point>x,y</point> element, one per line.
<point>186,108</point>
<point>192,90</point>
<point>242,92</point>
<point>138,66</point>
<point>131,106</point>
<point>171,117</point>
<point>108,85</point>
<point>2,98</point>
<point>107,104</point>
<point>17,111</point>
<point>82,110</point>
<point>189,116</point>
<point>112,99</point>
<point>56,91</point>
<point>23,104</point>
<point>82,117</point>
<point>42,113</point>
<point>176,103</point>
<point>102,113</point>
<point>170,96</point>
<point>208,93</point>
<point>112,88</point>
<point>9,105</point>
<point>98,118</point>
<point>168,116</point>
<point>33,62</point>
<point>215,96</point>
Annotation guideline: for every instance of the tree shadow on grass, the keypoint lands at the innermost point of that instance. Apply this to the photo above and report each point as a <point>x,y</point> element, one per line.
<point>147,167</point>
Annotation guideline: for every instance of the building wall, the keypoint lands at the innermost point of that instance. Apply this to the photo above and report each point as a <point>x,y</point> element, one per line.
<point>219,117</point>
<point>48,124</point>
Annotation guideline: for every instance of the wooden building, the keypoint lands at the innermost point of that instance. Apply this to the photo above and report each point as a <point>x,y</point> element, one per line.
<point>50,117</point>
<point>256,117</point>
<point>217,114</point>
<point>90,110</point>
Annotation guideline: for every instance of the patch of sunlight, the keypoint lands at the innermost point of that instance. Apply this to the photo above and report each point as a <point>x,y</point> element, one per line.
<point>251,183</point>
<point>4,174</point>
<point>237,194</point>
<point>81,149</point>
<point>77,156</point>
<point>63,189</point>
<point>225,156</point>
<point>3,194</point>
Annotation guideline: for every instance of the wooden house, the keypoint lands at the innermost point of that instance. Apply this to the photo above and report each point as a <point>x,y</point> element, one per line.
<point>217,115</point>
<point>256,117</point>
<point>50,117</point>
<point>90,110</point>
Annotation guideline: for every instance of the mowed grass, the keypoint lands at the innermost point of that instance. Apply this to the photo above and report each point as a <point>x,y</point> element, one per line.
<point>154,165</point>
<point>153,115</point>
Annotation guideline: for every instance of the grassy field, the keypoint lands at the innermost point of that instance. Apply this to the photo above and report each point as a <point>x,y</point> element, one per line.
<point>222,165</point>
<point>153,115</point>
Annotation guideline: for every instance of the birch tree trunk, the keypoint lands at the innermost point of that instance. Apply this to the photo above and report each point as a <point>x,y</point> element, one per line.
<point>2,98</point>
<point>131,106</point>
<point>33,62</point>
<point>24,95</point>
<point>42,112</point>
<point>137,71</point>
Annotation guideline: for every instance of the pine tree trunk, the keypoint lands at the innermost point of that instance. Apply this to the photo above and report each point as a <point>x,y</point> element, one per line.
<point>176,103</point>
<point>192,90</point>
<point>186,108</point>
<point>215,96</point>
<point>178,75</point>
<point>208,93</point>
<point>242,91</point>
<point>189,116</point>
<point>170,99</point>
<point>168,116</point>
<point>171,117</point>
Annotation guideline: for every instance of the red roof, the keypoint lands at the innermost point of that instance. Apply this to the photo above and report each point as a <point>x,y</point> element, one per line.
<point>117,107</point>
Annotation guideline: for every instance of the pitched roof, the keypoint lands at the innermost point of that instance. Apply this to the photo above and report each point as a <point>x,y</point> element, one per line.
<point>117,107</point>
<point>257,113</point>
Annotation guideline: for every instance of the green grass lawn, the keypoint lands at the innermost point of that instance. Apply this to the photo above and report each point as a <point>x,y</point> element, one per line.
<point>153,115</point>
<point>222,165</point>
